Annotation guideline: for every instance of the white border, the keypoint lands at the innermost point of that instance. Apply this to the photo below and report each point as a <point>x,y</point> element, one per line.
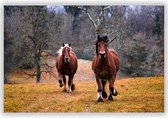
<point>84,2</point>
<point>81,2</point>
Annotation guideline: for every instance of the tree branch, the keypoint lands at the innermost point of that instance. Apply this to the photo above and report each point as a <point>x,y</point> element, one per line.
<point>30,75</point>
<point>26,45</point>
<point>108,35</point>
<point>48,66</point>
<point>91,19</point>
<point>103,9</point>
<point>32,38</point>
<point>106,7</point>
<point>113,39</point>
<point>50,72</point>
<point>43,44</point>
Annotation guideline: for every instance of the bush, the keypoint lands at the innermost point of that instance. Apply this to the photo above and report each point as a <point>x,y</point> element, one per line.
<point>84,54</point>
<point>27,66</point>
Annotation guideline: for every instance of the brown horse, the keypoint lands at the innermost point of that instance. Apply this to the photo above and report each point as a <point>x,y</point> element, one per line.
<point>66,64</point>
<point>105,66</point>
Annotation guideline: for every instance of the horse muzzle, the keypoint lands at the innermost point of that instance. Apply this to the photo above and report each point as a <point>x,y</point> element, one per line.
<point>66,59</point>
<point>102,54</point>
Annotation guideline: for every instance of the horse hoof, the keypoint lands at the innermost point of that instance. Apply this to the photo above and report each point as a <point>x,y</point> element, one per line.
<point>100,99</point>
<point>69,92</point>
<point>110,98</point>
<point>115,93</point>
<point>64,90</point>
<point>73,87</point>
<point>60,82</point>
<point>61,85</point>
<point>104,94</point>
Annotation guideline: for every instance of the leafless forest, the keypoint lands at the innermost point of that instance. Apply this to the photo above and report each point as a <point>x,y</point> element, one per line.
<point>31,33</point>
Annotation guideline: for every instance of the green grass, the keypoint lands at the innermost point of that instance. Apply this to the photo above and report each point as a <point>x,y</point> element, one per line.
<point>135,95</point>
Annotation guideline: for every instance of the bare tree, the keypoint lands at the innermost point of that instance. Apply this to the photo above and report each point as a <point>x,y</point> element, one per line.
<point>31,29</point>
<point>104,20</point>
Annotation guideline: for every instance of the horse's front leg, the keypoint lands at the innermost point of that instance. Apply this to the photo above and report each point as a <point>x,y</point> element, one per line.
<point>60,76</point>
<point>99,90</point>
<point>64,81</point>
<point>104,94</point>
<point>70,84</point>
<point>113,91</point>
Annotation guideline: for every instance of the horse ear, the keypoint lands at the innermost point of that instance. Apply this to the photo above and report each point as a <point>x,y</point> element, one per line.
<point>69,44</point>
<point>63,44</point>
<point>106,39</point>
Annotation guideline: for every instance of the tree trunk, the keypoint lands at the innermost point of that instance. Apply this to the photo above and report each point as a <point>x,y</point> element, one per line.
<point>38,75</point>
<point>37,62</point>
<point>6,81</point>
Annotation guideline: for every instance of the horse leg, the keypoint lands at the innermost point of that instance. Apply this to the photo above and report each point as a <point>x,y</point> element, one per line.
<point>60,80</point>
<point>111,88</point>
<point>104,92</point>
<point>70,83</point>
<point>64,81</point>
<point>73,86</point>
<point>114,91</point>
<point>99,97</point>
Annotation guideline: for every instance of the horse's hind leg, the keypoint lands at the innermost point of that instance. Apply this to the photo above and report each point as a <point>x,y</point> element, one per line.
<point>64,81</point>
<point>110,97</point>
<point>104,94</point>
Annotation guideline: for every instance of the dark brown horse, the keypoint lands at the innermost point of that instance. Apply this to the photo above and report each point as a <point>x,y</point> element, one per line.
<point>105,65</point>
<point>66,64</point>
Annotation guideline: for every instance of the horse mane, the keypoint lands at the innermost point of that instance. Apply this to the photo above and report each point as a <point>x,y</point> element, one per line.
<point>99,38</point>
<point>113,51</point>
<point>59,52</point>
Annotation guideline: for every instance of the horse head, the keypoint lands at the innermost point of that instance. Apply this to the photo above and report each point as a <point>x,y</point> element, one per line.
<point>66,52</point>
<point>101,46</point>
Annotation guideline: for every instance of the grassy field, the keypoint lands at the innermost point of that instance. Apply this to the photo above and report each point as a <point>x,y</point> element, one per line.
<point>145,94</point>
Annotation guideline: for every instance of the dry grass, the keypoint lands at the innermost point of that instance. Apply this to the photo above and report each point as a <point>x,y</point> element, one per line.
<point>135,94</point>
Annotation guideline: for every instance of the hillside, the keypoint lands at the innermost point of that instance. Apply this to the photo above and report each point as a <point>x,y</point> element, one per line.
<point>145,94</point>
<point>33,36</point>
<point>84,72</point>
